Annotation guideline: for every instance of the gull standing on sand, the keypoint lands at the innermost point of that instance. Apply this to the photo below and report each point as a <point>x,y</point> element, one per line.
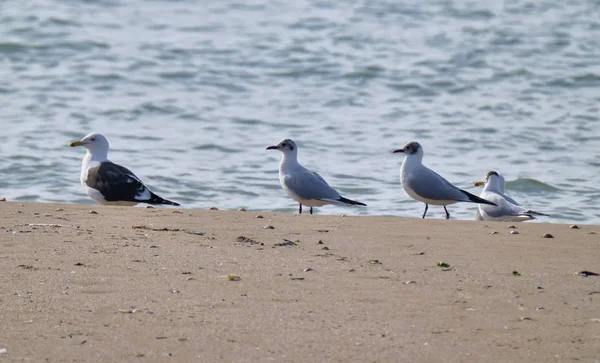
<point>305,186</point>
<point>507,209</point>
<point>110,183</point>
<point>425,185</point>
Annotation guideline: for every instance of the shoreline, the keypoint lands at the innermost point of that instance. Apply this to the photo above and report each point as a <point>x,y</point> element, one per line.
<point>157,283</point>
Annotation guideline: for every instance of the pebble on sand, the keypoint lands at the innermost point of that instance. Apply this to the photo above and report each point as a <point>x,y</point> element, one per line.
<point>514,232</point>
<point>547,235</point>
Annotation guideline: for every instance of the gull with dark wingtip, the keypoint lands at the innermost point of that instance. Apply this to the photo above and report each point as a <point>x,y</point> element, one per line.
<point>427,186</point>
<point>305,186</point>
<point>110,183</point>
<point>507,209</point>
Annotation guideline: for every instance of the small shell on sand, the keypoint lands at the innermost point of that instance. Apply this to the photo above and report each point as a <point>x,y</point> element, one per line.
<point>547,235</point>
<point>514,232</point>
<point>214,208</point>
<point>242,210</point>
<point>574,226</point>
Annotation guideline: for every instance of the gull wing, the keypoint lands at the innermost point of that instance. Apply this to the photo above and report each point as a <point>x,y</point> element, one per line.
<point>307,184</point>
<point>430,185</point>
<point>504,207</point>
<point>116,183</point>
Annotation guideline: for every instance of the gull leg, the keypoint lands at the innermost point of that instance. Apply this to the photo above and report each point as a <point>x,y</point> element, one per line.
<point>426,207</point>
<point>300,208</point>
<point>310,210</point>
<point>447,214</point>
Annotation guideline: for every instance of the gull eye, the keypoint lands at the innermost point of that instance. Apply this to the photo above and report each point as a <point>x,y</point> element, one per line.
<point>93,139</point>
<point>283,144</point>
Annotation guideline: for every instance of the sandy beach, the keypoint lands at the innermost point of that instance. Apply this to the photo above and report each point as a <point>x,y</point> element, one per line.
<point>85,283</point>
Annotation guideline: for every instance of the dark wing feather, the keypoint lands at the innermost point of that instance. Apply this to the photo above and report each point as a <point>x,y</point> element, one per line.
<point>115,182</point>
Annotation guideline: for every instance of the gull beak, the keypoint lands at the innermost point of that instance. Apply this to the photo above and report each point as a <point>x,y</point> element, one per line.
<point>479,183</point>
<point>398,151</point>
<point>272,147</point>
<point>76,143</point>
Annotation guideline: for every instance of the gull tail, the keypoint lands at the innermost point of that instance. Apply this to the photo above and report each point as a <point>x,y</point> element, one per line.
<point>155,199</point>
<point>532,212</point>
<point>348,201</point>
<point>476,199</point>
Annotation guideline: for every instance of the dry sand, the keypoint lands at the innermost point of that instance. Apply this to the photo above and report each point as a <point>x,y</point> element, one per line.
<point>151,285</point>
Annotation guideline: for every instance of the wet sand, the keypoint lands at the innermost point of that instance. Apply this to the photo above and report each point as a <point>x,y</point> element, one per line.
<point>154,285</point>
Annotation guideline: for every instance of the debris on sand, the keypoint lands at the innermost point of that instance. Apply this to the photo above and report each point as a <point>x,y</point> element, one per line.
<point>233,277</point>
<point>586,273</point>
<point>286,242</point>
<point>243,239</point>
<point>166,229</point>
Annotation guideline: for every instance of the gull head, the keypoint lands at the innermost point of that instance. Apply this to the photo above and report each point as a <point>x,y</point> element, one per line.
<point>491,175</point>
<point>412,148</point>
<point>286,146</point>
<point>93,143</point>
